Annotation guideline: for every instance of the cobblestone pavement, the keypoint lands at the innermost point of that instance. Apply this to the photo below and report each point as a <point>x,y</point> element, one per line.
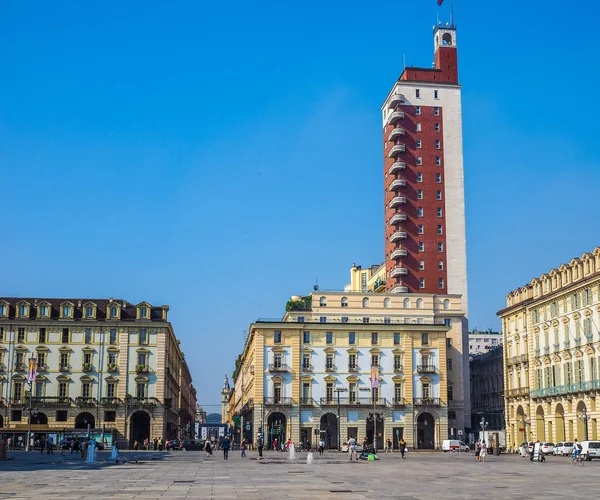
<point>192,475</point>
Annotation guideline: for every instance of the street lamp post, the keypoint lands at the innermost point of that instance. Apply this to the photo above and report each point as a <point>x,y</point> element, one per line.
<point>339,426</point>
<point>584,417</point>
<point>525,422</point>
<point>32,369</point>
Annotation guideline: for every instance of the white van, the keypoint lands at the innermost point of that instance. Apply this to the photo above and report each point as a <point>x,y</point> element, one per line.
<point>590,449</point>
<point>454,445</point>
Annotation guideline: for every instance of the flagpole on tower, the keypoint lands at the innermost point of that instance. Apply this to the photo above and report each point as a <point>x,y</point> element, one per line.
<point>452,13</point>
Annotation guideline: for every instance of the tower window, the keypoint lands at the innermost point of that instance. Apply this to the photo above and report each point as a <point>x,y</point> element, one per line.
<point>438,161</point>
<point>421,246</point>
<point>418,126</point>
<point>418,110</point>
<point>421,265</point>
<point>419,144</point>
<point>419,177</point>
<point>441,283</point>
<point>420,212</point>
<point>436,127</point>
<point>440,229</point>
<point>440,247</point>
<point>438,195</point>
<point>436,111</point>
<point>420,194</point>
<point>438,178</point>
<point>421,229</point>
<point>436,94</point>
<point>440,265</point>
<point>419,160</point>
<point>439,212</point>
<point>421,282</point>
<point>418,93</point>
<point>437,144</point>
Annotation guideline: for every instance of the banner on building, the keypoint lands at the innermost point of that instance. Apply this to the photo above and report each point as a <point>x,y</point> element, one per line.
<point>374,377</point>
<point>32,370</point>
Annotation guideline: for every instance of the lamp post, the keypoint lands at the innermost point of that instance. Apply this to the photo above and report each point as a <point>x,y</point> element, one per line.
<point>584,417</point>
<point>339,426</point>
<point>31,374</point>
<point>484,424</point>
<point>524,421</point>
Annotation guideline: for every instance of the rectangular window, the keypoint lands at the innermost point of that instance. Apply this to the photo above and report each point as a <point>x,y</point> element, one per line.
<point>568,373</point>
<point>113,337</point>
<point>421,282</point>
<point>439,212</point>
<point>421,229</point>
<point>436,94</point>
<point>322,319</point>
<point>418,93</point>
<point>351,338</point>
<point>397,363</point>
<point>141,390</point>
<point>374,338</point>
<point>19,365</point>
<point>447,322</point>
<point>21,335</point>
<point>436,111</point>
<point>438,178</point>
<point>277,361</point>
<point>438,195</point>
<point>62,390</point>
<point>329,392</point>
<point>300,319</point>
<point>306,337</point>
<point>329,362</point>
<point>41,361</point>
<point>329,337</point>
<point>39,389</point>
<point>277,392</point>
<point>425,391</point>
<point>110,390</point>
<point>420,212</point>
<point>440,247</point>
<point>352,392</point>
<point>421,265</point>
<point>419,177</point>
<point>64,360</point>
<point>450,393</point>
<point>387,320</point>
<point>578,371</point>
<point>419,160</point>
<point>419,144</point>
<point>88,335</point>
<point>438,161</point>
<point>420,194</point>
<point>398,393</point>
<point>438,144</point>
<point>143,338</point>
<point>42,336</point>
<point>421,246</point>
<point>352,362</point>
<point>424,339</point>
<point>306,361</point>
<point>86,390</point>
<point>396,338</point>
<point>440,230</point>
<point>436,127</point>
<point>344,319</point>
<point>365,319</point>
<point>110,416</point>
<point>440,265</point>
<point>1,334</point>
<point>448,342</point>
<point>277,337</point>
<point>418,126</point>
<point>142,359</point>
<point>305,392</point>
<point>418,110</point>
<point>62,415</point>
<point>375,360</point>
<point>87,359</point>
<point>65,336</point>
<point>441,283</point>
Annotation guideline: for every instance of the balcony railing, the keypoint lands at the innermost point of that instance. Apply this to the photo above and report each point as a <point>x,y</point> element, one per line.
<point>522,358</point>
<point>398,235</point>
<point>397,219</point>
<point>142,369</point>
<point>141,402</point>
<point>396,99</point>
<point>427,401</point>
<point>396,167</point>
<point>328,401</point>
<point>20,367</point>
<point>307,401</point>
<point>400,289</point>
<point>87,367</point>
<point>395,133</point>
<point>395,116</point>
<point>42,368</point>
<point>353,369</point>
<point>397,184</point>
<point>112,367</point>
<point>426,369</point>
<point>111,401</point>
<point>86,401</point>
<point>53,401</point>
<point>64,368</point>
<point>399,271</point>
<point>278,401</point>
<point>278,368</point>
<point>307,368</point>
<point>519,391</point>
<point>398,402</point>
<point>396,149</point>
<point>329,368</point>
<point>398,253</point>
<point>398,368</point>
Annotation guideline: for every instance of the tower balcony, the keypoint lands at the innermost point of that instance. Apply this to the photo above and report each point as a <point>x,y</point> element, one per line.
<point>398,271</point>
<point>397,184</point>
<point>395,117</point>
<point>400,289</point>
<point>397,149</point>
<point>395,99</point>
<point>395,133</point>
<point>397,200</point>
<point>397,236</point>
<point>396,167</point>
<point>397,219</point>
<point>398,253</point>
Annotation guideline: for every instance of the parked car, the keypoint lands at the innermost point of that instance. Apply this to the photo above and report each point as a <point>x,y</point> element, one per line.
<point>564,448</point>
<point>547,448</point>
<point>590,449</point>
<point>454,445</point>
<point>190,445</point>
<point>172,444</point>
<point>359,447</point>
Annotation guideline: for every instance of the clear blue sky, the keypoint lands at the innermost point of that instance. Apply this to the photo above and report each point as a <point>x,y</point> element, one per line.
<point>219,157</point>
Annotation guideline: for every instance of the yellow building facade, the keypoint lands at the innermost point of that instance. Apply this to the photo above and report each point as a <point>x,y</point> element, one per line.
<point>551,354</point>
<point>308,375</point>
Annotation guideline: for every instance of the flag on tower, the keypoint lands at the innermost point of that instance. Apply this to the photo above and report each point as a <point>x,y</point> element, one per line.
<point>440,2</point>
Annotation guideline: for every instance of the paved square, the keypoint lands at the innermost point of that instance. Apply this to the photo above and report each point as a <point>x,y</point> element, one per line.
<point>192,475</point>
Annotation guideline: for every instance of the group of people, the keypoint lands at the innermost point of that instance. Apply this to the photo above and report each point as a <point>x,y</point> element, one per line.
<point>157,444</point>
<point>480,450</point>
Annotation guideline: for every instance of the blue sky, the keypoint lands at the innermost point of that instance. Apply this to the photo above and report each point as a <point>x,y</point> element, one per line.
<point>219,158</point>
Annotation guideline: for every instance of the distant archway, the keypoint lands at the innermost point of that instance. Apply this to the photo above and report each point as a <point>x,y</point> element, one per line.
<point>559,422</point>
<point>276,424</point>
<point>581,424</point>
<point>84,419</point>
<point>426,431</point>
<point>139,427</point>
<point>540,424</point>
<point>521,434</point>
<point>1,421</point>
<point>329,431</point>
<point>39,419</point>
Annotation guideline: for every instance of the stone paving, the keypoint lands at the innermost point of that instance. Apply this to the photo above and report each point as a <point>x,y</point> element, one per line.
<point>192,475</point>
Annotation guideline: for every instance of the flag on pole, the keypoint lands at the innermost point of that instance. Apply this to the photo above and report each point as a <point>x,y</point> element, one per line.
<point>440,2</point>
<point>32,370</point>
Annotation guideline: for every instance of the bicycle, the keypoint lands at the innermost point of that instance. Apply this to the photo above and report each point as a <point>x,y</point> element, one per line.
<point>579,460</point>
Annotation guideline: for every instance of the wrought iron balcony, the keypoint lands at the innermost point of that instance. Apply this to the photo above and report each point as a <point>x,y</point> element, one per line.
<point>274,401</point>
<point>379,285</point>
<point>400,289</point>
<point>395,99</point>
<point>20,367</point>
<point>395,133</point>
<point>42,368</point>
<point>399,271</point>
<point>395,117</point>
<point>64,368</point>
<point>86,401</point>
<point>328,401</point>
<point>112,367</point>
<point>397,236</point>
<point>396,149</point>
<point>278,368</point>
<point>307,368</point>
<point>53,401</point>
<point>111,401</point>
<point>307,401</point>
<point>142,369</point>
<point>397,184</point>
<point>426,369</point>
<point>427,401</point>
<point>398,402</point>
<point>141,402</point>
<point>398,368</point>
<point>353,369</point>
<point>329,368</point>
<point>396,167</point>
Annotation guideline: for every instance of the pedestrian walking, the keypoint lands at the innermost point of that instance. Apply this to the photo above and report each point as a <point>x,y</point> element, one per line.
<point>225,444</point>
<point>49,444</point>
<point>260,445</point>
<point>275,444</point>
<point>352,448</point>
<point>155,443</point>
<point>208,448</point>
<point>321,446</point>
<point>388,446</point>
<point>243,447</point>
<point>483,452</point>
<point>160,444</point>
<point>402,445</point>
<point>477,450</point>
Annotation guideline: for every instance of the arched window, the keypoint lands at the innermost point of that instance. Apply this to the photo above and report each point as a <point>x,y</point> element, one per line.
<point>143,312</point>
<point>446,304</point>
<point>419,303</point>
<point>344,301</point>
<point>406,303</point>
<point>386,303</point>
<point>365,302</point>
<point>447,39</point>
<point>323,302</point>
<point>113,312</point>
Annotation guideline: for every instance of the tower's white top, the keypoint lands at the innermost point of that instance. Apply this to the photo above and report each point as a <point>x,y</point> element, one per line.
<point>444,36</point>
